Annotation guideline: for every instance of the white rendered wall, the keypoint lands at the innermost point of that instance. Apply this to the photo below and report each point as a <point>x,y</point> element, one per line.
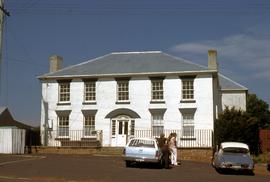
<point>235,99</point>
<point>140,98</point>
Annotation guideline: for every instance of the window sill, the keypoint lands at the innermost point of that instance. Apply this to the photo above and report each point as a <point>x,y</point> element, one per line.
<point>188,101</point>
<point>89,103</point>
<point>188,138</point>
<point>122,102</point>
<point>157,102</point>
<point>63,103</point>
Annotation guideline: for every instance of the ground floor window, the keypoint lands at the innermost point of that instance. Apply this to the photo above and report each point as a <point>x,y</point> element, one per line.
<point>157,124</point>
<point>113,127</point>
<point>89,125</point>
<point>188,124</point>
<point>63,126</point>
<point>132,127</point>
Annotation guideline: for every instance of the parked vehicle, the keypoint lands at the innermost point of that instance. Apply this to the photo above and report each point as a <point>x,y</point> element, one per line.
<point>233,156</point>
<point>140,150</point>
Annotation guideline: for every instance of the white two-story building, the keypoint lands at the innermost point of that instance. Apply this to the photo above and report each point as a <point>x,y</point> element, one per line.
<point>128,94</point>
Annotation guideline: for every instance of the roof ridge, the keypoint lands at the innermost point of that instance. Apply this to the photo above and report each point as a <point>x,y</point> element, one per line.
<point>136,52</point>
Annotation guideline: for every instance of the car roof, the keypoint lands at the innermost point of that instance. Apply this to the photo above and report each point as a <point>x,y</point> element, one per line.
<point>138,138</point>
<point>234,145</point>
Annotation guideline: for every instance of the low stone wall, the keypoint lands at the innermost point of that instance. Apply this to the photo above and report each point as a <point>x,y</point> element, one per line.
<point>193,154</point>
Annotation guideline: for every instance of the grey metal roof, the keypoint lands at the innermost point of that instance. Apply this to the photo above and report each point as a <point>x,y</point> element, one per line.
<point>228,84</point>
<point>128,63</point>
<point>122,63</point>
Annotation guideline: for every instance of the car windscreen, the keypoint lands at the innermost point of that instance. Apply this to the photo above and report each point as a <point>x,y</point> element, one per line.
<point>142,143</point>
<point>235,150</point>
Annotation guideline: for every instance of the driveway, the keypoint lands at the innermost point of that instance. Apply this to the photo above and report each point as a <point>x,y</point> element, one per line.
<point>87,168</point>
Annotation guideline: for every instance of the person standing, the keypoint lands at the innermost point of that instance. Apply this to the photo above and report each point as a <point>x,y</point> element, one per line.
<point>173,148</point>
<point>162,144</point>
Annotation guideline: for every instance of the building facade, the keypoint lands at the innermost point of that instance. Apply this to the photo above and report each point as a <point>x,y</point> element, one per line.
<point>132,94</point>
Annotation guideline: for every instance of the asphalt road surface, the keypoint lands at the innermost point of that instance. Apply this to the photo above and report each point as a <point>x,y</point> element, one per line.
<point>86,168</point>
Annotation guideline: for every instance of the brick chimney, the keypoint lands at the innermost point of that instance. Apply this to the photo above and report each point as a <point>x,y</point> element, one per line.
<point>212,60</point>
<point>55,63</point>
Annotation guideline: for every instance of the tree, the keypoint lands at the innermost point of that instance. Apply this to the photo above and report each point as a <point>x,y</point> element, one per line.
<point>238,126</point>
<point>259,109</point>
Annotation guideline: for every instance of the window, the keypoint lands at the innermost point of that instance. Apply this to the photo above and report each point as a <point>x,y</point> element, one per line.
<point>113,127</point>
<point>157,89</point>
<point>90,91</point>
<point>187,89</point>
<point>89,125</point>
<point>64,92</point>
<point>132,127</point>
<point>63,126</point>
<point>122,91</point>
<point>157,124</point>
<point>188,125</point>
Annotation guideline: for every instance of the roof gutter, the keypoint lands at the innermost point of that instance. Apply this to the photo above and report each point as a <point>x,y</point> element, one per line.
<point>127,74</point>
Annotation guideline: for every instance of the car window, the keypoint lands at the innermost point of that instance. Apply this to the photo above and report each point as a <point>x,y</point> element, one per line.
<point>235,150</point>
<point>142,143</point>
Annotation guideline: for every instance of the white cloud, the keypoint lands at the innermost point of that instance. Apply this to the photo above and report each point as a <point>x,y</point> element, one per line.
<point>249,51</point>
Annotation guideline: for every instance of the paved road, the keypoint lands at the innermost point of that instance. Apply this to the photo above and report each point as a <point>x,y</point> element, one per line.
<point>86,168</point>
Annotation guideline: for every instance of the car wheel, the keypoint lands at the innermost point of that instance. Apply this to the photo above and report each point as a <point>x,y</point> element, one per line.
<point>128,163</point>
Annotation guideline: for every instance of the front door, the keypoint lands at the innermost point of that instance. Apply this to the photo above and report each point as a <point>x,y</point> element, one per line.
<point>122,133</point>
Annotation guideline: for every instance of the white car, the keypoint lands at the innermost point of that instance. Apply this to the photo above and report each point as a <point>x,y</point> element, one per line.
<point>142,150</point>
<point>234,156</point>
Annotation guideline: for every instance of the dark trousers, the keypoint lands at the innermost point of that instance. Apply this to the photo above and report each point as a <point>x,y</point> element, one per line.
<point>166,157</point>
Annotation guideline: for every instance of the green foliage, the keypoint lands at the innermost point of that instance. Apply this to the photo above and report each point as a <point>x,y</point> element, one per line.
<point>237,126</point>
<point>259,109</point>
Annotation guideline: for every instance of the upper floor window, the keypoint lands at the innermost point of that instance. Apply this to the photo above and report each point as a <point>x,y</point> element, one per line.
<point>64,91</point>
<point>89,91</point>
<point>157,90</point>
<point>122,90</point>
<point>187,89</point>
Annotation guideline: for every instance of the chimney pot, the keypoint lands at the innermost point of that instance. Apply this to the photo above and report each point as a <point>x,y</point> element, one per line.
<point>55,63</point>
<point>212,59</point>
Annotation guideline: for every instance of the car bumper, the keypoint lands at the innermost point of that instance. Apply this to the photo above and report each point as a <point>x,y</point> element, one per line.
<point>141,159</point>
<point>236,167</point>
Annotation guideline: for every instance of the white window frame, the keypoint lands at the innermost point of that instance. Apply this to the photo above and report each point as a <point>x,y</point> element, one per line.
<point>187,89</point>
<point>64,93</point>
<point>89,91</point>
<point>157,124</point>
<point>89,128</point>
<point>113,127</point>
<point>188,122</point>
<point>157,91</point>
<point>63,126</point>
<point>122,90</point>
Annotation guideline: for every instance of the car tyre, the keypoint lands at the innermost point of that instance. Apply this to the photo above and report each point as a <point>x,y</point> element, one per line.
<point>128,163</point>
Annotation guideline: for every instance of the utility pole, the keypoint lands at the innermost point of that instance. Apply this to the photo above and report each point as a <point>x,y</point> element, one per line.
<point>3,13</point>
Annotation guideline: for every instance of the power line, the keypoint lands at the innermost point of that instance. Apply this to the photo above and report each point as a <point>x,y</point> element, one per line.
<point>145,8</point>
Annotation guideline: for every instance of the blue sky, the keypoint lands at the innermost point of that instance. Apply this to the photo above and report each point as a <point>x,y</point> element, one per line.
<point>85,29</point>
